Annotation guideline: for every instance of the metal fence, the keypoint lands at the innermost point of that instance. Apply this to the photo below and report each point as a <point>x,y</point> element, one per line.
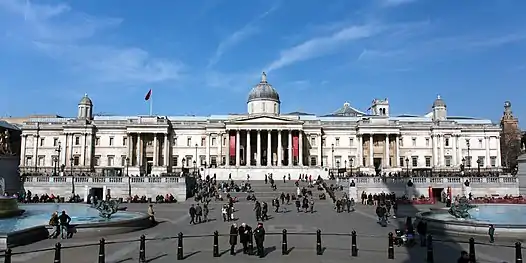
<point>319,249</point>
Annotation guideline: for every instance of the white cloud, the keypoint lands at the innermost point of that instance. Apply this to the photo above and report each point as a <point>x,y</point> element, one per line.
<point>239,36</point>
<point>319,46</point>
<point>72,37</point>
<point>389,3</point>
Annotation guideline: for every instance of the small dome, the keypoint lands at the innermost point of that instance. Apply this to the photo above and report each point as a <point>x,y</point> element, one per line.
<point>439,102</point>
<point>86,101</point>
<point>263,91</point>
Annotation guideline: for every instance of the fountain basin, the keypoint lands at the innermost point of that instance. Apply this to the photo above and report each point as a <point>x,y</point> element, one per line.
<point>33,224</point>
<point>506,218</point>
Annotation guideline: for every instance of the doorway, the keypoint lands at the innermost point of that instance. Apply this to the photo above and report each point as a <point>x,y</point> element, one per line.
<point>149,165</point>
<point>97,192</point>
<point>437,193</point>
<point>377,163</point>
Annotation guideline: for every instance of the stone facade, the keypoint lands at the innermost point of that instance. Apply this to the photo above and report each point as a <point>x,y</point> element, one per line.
<point>264,138</point>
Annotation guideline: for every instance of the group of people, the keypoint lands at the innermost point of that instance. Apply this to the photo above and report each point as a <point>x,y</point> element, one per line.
<point>61,225</point>
<point>246,238</point>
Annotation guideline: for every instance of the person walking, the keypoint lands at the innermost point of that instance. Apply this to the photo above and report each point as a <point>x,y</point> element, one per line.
<point>64,221</point>
<point>491,233</point>
<point>151,213</point>
<point>233,239</point>
<point>259,236</point>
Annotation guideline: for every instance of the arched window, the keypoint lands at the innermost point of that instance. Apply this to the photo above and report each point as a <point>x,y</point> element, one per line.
<point>275,108</point>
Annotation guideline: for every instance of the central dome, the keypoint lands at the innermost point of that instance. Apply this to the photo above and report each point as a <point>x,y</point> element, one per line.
<point>263,91</point>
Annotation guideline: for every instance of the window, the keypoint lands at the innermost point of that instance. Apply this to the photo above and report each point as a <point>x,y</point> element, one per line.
<point>76,160</point>
<point>401,142</point>
<point>123,160</point>
<point>55,141</point>
<point>313,160</point>
<point>97,161</point>
<point>42,141</point>
<point>124,141</point>
<point>202,159</point>
<point>448,161</point>
<point>111,160</point>
<point>175,159</point>
<point>493,161</point>
<point>214,141</point>
<point>97,140</point>
<point>401,161</point>
<point>427,142</point>
<point>54,160</point>
<point>446,142</point>
<point>313,141</point>
<point>414,142</point>
<point>414,161</point>
<point>337,141</point>
<point>41,161</point>
<point>275,108</point>
<point>203,141</point>
<point>224,142</point>
<point>29,160</point>
<point>77,140</point>
<point>480,143</point>
<point>111,141</point>
<point>351,142</point>
<point>189,141</point>
<point>323,142</point>
<point>480,161</point>
<point>428,161</point>
<point>213,160</point>
<point>174,141</point>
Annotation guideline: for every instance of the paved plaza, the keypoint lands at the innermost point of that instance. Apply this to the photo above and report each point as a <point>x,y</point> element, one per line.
<point>372,239</point>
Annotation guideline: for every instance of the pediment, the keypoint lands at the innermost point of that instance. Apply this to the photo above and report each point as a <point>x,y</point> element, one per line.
<point>264,119</point>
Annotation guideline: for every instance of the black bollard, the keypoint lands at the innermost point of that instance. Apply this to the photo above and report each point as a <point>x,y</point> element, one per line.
<point>8,253</point>
<point>102,253</point>
<point>216,244</point>
<point>354,248</point>
<point>518,253</point>
<point>390,248</point>
<point>58,247</point>
<point>472,256</point>
<point>430,258</point>
<point>180,246</point>
<point>250,243</point>
<point>284,244</point>
<point>318,243</point>
<point>142,249</point>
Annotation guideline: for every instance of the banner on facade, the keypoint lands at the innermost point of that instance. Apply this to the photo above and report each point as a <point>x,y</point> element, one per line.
<point>232,142</point>
<point>295,146</point>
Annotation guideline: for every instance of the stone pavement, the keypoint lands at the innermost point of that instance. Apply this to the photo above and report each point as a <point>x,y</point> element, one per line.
<point>372,239</point>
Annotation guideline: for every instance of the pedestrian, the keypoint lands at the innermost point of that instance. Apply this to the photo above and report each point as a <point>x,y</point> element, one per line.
<point>198,213</point>
<point>233,239</point>
<point>151,213</point>
<point>192,213</point>
<point>54,222</point>
<point>64,221</point>
<point>259,236</point>
<point>244,236</point>
<point>491,233</point>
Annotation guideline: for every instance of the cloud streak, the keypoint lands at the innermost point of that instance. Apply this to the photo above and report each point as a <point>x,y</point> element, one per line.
<point>320,46</point>
<point>239,36</point>
<point>64,34</point>
<point>393,3</point>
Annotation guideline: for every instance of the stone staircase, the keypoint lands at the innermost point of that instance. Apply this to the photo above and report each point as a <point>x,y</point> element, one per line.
<point>263,191</point>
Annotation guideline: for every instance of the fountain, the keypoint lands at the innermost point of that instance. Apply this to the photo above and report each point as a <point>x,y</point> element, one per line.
<point>27,223</point>
<point>468,219</point>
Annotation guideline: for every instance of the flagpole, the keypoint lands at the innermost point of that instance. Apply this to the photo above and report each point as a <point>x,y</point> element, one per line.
<point>151,105</point>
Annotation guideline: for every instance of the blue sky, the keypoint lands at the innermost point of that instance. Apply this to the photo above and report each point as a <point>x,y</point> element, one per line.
<point>202,57</point>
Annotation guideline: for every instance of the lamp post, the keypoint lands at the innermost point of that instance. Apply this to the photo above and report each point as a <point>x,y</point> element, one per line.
<point>129,179</point>
<point>182,165</point>
<point>71,174</point>
<point>332,149</point>
<point>195,166</point>
<point>407,165</point>
<point>71,166</point>
<point>469,156</point>
<point>55,166</point>
<point>462,165</point>
<point>345,167</point>
<point>195,160</point>
<point>478,166</point>
<point>351,164</point>
<point>58,150</point>
<point>338,168</point>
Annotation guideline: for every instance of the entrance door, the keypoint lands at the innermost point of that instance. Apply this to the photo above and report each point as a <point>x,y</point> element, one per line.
<point>437,193</point>
<point>96,192</point>
<point>377,162</point>
<point>149,165</point>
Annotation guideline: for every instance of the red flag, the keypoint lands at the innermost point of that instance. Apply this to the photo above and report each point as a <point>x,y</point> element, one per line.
<point>148,95</point>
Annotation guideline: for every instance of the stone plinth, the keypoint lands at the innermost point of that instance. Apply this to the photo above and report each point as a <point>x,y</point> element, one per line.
<point>9,172</point>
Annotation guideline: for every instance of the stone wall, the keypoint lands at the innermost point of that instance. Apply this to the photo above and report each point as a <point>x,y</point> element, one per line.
<point>240,174</point>
<point>117,187</point>
<point>480,186</point>
<point>9,172</point>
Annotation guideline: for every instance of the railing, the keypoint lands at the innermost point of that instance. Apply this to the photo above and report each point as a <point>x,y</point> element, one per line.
<point>101,180</point>
<point>433,180</point>
<point>392,242</point>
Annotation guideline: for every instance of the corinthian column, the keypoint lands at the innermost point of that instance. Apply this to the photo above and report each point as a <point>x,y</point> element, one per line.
<point>248,154</point>
<point>280,148</point>
<point>258,149</point>
<point>290,147</point>
<point>269,148</point>
<point>300,139</point>
<point>237,148</point>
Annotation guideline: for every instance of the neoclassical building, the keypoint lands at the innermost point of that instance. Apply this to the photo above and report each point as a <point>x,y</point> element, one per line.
<point>263,139</point>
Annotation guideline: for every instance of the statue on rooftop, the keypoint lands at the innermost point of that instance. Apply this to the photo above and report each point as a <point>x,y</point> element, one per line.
<point>460,210</point>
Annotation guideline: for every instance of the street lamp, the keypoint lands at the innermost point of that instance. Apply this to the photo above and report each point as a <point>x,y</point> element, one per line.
<point>71,166</point>
<point>469,157</point>
<point>182,165</point>
<point>55,166</point>
<point>127,165</point>
<point>332,149</point>
<point>72,178</point>
<point>407,165</point>
<point>195,166</point>
<point>463,164</point>
<point>345,167</point>
<point>478,166</point>
<point>58,150</point>
<point>351,164</point>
